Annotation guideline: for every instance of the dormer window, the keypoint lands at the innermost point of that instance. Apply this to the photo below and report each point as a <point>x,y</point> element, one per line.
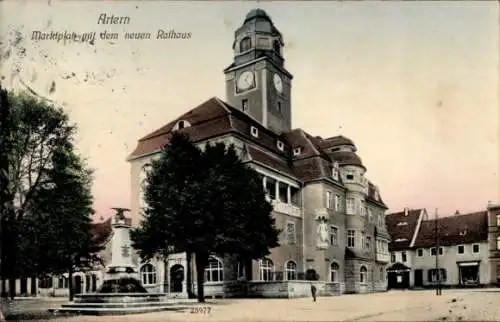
<point>280,145</point>
<point>335,173</point>
<point>276,46</point>
<point>244,105</point>
<point>297,151</point>
<point>254,131</point>
<point>245,44</point>
<point>181,124</point>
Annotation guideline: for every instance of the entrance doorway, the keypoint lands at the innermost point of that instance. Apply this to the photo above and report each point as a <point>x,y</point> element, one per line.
<point>311,275</point>
<point>176,278</point>
<point>469,274</point>
<point>94,283</point>
<point>419,278</point>
<point>24,286</point>
<point>77,284</point>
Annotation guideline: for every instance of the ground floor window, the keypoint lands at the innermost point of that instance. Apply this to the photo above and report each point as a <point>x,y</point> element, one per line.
<point>148,274</point>
<point>435,275</point>
<point>291,271</point>
<point>334,272</point>
<point>45,282</point>
<point>266,270</point>
<point>382,274</point>
<point>62,282</point>
<point>363,274</point>
<point>214,271</point>
<point>469,274</point>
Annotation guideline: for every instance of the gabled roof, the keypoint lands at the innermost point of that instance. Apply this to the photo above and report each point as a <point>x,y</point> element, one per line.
<point>215,117</point>
<point>401,227</point>
<point>454,230</point>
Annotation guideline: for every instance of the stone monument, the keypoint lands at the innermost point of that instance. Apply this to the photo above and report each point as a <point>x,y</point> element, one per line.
<point>121,275</point>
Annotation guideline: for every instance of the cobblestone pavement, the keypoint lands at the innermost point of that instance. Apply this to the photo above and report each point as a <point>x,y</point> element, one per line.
<point>452,305</point>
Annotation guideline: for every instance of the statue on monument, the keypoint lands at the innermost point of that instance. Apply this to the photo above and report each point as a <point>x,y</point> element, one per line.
<point>120,214</point>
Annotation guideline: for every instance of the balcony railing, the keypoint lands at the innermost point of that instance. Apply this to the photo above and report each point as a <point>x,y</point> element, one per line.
<point>286,208</point>
<point>381,257</point>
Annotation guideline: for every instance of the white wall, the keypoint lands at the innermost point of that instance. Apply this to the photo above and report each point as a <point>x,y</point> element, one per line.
<point>449,261</point>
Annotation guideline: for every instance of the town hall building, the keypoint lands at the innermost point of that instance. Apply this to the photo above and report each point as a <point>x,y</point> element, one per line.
<point>331,215</point>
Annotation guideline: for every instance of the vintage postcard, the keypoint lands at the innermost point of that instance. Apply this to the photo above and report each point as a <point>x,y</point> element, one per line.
<point>249,160</point>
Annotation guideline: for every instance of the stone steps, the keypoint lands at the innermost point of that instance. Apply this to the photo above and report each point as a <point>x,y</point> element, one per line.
<point>116,305</point>
<point>115,310</point>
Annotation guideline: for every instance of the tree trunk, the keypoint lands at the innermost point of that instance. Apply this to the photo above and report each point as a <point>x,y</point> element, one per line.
<point>70,283</point>
<point>201,262</point>
<point>12,287</point>
<point>189,279</point>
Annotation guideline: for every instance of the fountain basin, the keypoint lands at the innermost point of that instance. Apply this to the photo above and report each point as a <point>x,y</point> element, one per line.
<point>122,304</point>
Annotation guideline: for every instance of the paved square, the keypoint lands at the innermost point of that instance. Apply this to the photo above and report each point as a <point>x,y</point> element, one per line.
<point>453,305</point>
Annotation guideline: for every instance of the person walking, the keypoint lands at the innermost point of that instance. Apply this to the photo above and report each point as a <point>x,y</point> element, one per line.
<point>313,292</point>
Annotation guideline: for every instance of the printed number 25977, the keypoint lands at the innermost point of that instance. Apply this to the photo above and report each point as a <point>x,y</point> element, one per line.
<point>201,309</point>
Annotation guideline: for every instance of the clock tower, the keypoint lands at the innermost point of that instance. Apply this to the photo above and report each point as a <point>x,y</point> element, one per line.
<point>257,82</point>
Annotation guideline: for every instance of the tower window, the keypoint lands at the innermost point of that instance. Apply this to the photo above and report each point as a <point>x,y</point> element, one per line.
<point>245,44</point>
<point>280,145</point>
<point>244,105</point>
<point>276,46</point>
<point>254,131</point>
<point>279,107</point>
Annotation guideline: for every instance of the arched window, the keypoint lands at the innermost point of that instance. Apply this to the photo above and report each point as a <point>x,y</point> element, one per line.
<point>214,271</point>
<point>266,270</point>
<point>382,274</point>
<point>277,46</point>
<point>362,274</point>
<point>148,274</point>
<point>245,44</point>
<point>334,272</point>
<point>291,271</point>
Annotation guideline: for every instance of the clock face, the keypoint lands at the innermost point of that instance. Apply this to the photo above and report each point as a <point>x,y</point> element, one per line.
<point>245,81</point>
<point>278,83</point>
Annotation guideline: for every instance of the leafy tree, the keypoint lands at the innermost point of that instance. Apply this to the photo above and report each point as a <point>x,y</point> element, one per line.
<point>63,217</point>
<point>44,205</point>
<point>204,202</point>
<point>5,152</point>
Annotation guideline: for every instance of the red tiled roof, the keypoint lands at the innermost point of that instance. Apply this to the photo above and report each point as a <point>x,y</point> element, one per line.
<point>402,232</point>
<point>454,230</point>
<point>101,231</point>
<point>215,118</point>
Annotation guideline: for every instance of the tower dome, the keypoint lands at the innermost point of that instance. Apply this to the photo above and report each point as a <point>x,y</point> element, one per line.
<point>256,38</point>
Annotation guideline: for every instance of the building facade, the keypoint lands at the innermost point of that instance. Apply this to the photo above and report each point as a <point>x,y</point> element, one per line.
<point>331,215</point>
<point>452,250</point>
<point>494,242</point>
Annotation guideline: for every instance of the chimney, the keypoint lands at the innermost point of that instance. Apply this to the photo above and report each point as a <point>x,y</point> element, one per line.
<point>406,211</point>
<point>457,212</point>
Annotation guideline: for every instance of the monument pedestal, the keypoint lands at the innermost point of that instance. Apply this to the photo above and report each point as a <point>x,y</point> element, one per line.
<point>121,275</point>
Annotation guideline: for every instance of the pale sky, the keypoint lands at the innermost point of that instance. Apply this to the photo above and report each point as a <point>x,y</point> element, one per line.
<point>415,85</point>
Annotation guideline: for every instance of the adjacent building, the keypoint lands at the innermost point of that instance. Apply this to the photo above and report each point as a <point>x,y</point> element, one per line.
<point>494,242</point>
<point>452,250</point>
<point>332,216</point>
